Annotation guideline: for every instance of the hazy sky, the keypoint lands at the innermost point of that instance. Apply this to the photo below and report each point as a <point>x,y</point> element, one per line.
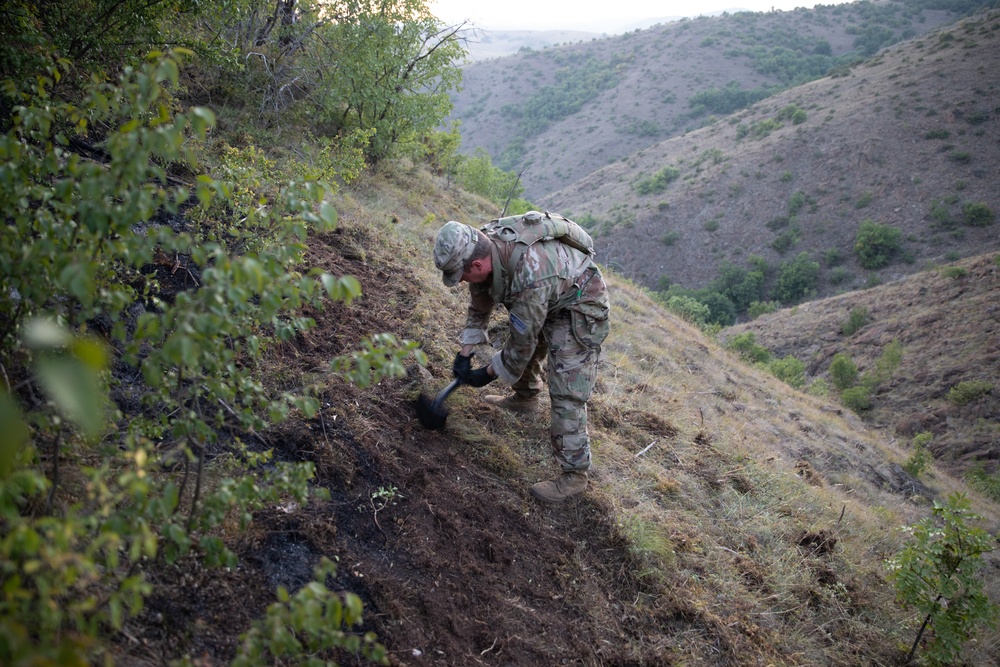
<point>592,15</point>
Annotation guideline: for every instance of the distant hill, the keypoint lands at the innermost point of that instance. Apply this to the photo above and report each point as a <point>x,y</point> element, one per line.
<point>947,321</point>
<point>486,44</point>
<point>564,112</point>
<point>908,141</point>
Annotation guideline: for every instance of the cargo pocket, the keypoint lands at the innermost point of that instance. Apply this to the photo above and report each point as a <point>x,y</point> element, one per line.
<point>588,330</point>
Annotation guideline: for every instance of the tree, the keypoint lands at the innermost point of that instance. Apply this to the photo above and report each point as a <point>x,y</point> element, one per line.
<point>935,573</point>
<point>876,245</point>
<point>796,279</point>
<point>388,66</point>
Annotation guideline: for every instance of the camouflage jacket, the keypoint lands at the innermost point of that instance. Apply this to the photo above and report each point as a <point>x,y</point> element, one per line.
<point>548,277</point>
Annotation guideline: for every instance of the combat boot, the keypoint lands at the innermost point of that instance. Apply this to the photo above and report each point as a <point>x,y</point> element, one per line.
<point>514,402</point>
<point>570,483</point>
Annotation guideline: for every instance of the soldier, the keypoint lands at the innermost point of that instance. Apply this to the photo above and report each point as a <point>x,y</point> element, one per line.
<point>541,268</point>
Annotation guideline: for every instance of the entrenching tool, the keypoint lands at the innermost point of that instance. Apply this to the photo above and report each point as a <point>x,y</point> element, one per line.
<point>433,413</point>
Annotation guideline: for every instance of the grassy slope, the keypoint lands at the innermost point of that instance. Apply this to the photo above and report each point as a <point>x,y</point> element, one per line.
<point>731,520</point>
<point>946,321</point>
<point>863,152</point>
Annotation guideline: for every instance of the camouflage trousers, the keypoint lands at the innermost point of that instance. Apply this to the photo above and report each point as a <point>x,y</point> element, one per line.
<point>571,374</point>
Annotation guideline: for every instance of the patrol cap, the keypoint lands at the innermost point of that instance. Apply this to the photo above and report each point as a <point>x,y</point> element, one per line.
<point>454,246</point>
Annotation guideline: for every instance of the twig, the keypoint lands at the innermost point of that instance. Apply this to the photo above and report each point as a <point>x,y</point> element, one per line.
<point>645,449</point>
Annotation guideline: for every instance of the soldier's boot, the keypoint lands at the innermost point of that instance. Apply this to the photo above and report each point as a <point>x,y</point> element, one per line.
<point>570,483</point>
<point>514,402</point>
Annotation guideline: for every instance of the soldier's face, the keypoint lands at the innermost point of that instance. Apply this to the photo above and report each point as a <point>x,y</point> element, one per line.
<point>479,271</point>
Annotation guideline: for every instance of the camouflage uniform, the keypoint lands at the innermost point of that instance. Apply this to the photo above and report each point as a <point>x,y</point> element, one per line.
<point>558,306</point>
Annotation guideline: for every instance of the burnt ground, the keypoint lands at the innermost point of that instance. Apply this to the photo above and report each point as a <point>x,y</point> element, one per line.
<point>458,566</point>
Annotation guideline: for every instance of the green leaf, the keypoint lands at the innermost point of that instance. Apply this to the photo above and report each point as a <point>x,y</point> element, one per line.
<point>328,216</point>
<point>13,434</point>
<point>76,390</point>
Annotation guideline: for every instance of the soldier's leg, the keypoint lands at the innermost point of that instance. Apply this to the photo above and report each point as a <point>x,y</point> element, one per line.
<point>530,383</point>
<point>572,374</point>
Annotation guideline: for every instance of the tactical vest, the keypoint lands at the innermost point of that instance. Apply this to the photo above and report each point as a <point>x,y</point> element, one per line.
<point>532,227</point>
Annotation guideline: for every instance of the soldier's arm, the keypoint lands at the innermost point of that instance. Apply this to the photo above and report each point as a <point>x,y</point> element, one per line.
<point>527,316</point>
<point>478,318</point>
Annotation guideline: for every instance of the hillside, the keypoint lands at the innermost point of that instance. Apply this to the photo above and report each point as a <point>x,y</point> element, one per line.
<point>219,311</point>
<point>731,521</point>
<point>948,322</point>
<point>563,112</point>
<point>906,140</point>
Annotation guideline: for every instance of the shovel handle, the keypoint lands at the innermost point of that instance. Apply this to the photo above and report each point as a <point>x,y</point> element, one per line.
<point>443,394</point>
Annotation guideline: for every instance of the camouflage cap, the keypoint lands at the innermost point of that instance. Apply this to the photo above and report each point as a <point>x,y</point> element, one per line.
<point>454,246</point>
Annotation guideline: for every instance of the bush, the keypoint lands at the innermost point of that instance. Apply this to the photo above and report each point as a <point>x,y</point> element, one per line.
<point>876,245</point>
<point>857,399</point>
<point>745,345</point>
<point>789,370</point>
<point>936,574</point>
<point>658,182</point>
<point>797,279</point>
<point>843,371</point>
<point>969,391</point>
<point>758,308</point>
<point>857,319</point>
<point>690,309</point>
<point>986,483</point>
<point>977,214</point>
<point>919,458</point>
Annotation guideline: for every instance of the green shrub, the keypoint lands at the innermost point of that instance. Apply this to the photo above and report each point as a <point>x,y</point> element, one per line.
<point>986,483</point>
<point>789,370</point>
<point>797,279</point>
<point>786,240</point>
<point>864,200</point>
<point>839,275</point>
<point>857,318</point>
<point>977,214</point>
<point>833,257</point>
<point>969,391</point>
<point>658,182</point>
<point>937,134</point>
<point>961,157</point>
<point>875,245</point>
<point>758,308</point>
<point>856,399</point>
<point>671,237</point>
<point>882,370</point>
<point>918,460</point>
<point>936,573</point>
<point>843,371</point>
<point>690,309</point>
<point>745,345</point>
<point>954,272</point>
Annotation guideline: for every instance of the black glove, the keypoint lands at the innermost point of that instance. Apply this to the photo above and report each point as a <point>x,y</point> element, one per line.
<point>462,366</point>
<point>479,377</point>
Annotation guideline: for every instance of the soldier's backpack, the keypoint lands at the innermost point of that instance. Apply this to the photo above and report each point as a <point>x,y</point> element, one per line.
<point>533,227</point>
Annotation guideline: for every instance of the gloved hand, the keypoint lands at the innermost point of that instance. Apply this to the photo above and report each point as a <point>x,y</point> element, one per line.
<point>479,377</point>
<point>462,366</point>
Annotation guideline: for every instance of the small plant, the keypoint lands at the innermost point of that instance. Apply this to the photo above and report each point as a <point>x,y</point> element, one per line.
<point>935,574</point>
<point>856,399</point>
<point>919,458</point>
<point>961,157</point>
<point>789,370</point>
<point>758,308</point>
<point>977,214</point>
<point>937,134</point>
<point>864,200</point>
<point>985,482</point>
<point>969,391</point>
<point>671,237</point>
<point>857,319</point>
<point>745,345</point>
<point>875,245</point>
<point>843,371</point>
<point>954,272</point>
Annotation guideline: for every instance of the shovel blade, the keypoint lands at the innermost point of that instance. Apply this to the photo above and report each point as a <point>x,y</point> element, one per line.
<point>430,415</point>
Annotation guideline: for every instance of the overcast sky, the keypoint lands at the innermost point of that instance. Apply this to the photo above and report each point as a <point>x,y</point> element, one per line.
<point>610,16</point>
